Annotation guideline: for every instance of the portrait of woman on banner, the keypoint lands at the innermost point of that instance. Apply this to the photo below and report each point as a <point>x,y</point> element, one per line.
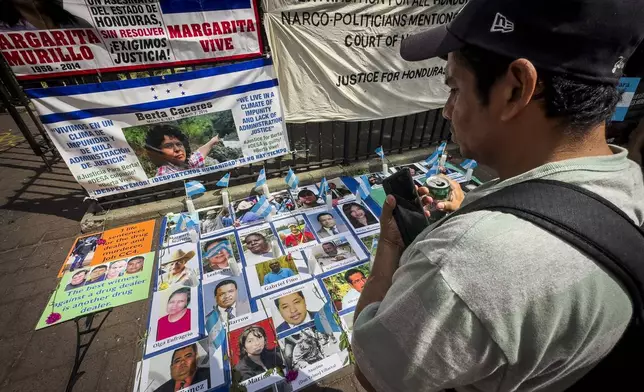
<point>255,357</point>
<point>169,150</point>
<point>178,317</point>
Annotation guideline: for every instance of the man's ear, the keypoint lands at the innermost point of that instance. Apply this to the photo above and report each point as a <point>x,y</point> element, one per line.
<point>517,87</point>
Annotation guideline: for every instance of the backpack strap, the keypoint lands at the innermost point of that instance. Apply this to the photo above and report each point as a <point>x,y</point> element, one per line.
<point>601,230</point>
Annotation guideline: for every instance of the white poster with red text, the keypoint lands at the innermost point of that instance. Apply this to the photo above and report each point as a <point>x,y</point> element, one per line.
<point>51,38</point>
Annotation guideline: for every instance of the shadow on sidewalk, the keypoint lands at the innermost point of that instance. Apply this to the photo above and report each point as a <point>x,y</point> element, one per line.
<point>29,187</point>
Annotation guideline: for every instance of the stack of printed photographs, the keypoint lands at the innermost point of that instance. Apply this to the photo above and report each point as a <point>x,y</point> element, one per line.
<point>248,300</point>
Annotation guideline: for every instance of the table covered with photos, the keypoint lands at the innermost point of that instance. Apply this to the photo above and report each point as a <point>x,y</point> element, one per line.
<point>237,298</point>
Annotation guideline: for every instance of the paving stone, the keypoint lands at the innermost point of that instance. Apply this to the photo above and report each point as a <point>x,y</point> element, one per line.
<point>71,231</point>
<point>12,260</point>
<point>123,334</point>
<point>30,289</point>
<point>45,379</point>
<point>26,275</point>
<point>10,352</point>
<point>21,318</point>
<point>93,367</point>
<point>53,253</point>
<point>136,312</point>
<point>50,347</point>
<point>118,371</point>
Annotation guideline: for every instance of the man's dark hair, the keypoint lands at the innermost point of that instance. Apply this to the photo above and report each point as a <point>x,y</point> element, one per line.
<point>351,272</point>
<point>193,346</point>
<point>223,283</point>
<point>322,214</point>
<point>136,257</point>
<point>80,272</point>
<point>183,290</point>
<point>277,301</point>
<point>262,236</point>
<point>305,192</point>
<point>100,267</point>
<point>155,135</point>
<point>576,103</point>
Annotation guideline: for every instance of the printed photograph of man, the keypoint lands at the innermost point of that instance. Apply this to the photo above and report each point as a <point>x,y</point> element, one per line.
<point>174,270</point>
<point>327,224</point>
<point>178,318</point>
<point>77,280</point>
<point>258,246</point>
<point>338,190</point>
<point>227,299</point>
<point>243,213</point>
<point>276,271</point>
<point>331,252</point>
<point>83,248</point>
<point>282,201</point>
<point>294,231</point>
<point>374,178</point>
<point>116,269</point>
<point>306,197</point>
<point>307,347</point>
<point>216,253</point>
<point>292,308</point>
<point>370,241</point>
<point>184,371</point>
<point>97,275</point>
<point>358,215</point>
<point>415,170</point>
<point>345,287</point>
<point>134,265</point>
<point>215,219</point>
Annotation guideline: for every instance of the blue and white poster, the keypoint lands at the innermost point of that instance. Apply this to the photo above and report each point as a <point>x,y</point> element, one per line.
<point>629,87</point>
<point>121,136</point>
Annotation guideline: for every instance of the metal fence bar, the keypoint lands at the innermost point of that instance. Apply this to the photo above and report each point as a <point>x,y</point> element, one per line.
<point>306,142</point>
<point>431,137</point>
<point>358,140</point>
<point>333,140</point>
<point>369,148</point>
<point>413,132</point>
<point>347,140</point>
<point>402,136</point>
<point>382,130</point>
<point>422,135</point>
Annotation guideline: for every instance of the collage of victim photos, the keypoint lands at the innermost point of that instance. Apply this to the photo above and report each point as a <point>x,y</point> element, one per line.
<point>239,297</point>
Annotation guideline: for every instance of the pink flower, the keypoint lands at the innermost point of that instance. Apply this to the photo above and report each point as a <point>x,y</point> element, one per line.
<point>53,317</point>
<point>291,375</point>
<point>101,242</point>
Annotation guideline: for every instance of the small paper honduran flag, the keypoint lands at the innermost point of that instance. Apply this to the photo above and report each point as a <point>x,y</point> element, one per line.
<point>441,148</point>
<point>433,159</point>
<point>380,152</point>
<point>433,171</point>
<point>223,182</point>
<point>261,179</point>
<point>194,188</point>
<point>324,188</point>
<point>325,321</point>
<point>291,179</point>
<point>262,207</point>
<point>469,164</point>
<point>364,189</point>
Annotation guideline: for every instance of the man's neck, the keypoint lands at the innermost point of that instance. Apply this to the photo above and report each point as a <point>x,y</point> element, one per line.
<point>566,147</point>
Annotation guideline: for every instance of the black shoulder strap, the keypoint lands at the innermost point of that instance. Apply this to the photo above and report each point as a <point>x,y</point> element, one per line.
<point>583,219</point>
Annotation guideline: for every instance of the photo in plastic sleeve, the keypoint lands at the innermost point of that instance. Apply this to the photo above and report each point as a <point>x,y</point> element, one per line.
<point>345,287</point>
<point>243,214</point>
<point>217,254</point>
<point>314,354</point>
<point>188,367</point>
<point>307,197</point>
<point>180,228</point>
<point>347,322</point>
<point>252,342</point>
<point>294,232</point>
<point>295,307</point>
<point>416,170</point>
<point>258,244</point>
<point>370,241</point>
<point>283,202</point>
<point>188,143</point>
<point>215,219</point>
<point>338,190</point>
<point>174,318</point>
<point>337,252</point>
<point>276,274</point>
<point>178,266</point>
<point>82,252</point>
<point>110,270</point>
<point>375,179</point>
<point>359,217</point>
<point>326,223</point>
<point>226,299</point>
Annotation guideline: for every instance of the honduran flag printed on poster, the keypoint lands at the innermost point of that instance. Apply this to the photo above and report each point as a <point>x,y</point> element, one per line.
<point>120,136</point>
